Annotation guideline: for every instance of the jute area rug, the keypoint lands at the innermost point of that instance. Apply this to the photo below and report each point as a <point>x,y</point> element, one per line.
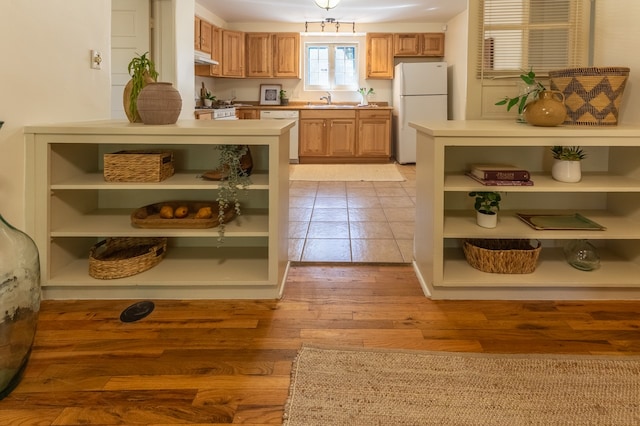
<point>345,172</point>
<point>353,386</point>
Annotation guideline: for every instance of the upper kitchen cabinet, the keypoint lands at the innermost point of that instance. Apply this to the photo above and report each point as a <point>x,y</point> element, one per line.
<point>433,44</point>
<point>232,53</point>
<point>418,44</point>
<point>273,55</point>
<point>215,49</point>
<point>380,55</point>
<point>286,62</point>
<point>202,36</point>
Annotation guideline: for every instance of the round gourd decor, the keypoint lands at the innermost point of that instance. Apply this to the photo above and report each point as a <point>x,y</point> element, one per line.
<point>159,103</point>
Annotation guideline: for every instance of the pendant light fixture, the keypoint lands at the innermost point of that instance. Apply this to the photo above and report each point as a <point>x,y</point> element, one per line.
<point>327,4</point>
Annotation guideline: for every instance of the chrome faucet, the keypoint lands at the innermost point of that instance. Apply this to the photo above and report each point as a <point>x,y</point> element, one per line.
<point>327,98</point>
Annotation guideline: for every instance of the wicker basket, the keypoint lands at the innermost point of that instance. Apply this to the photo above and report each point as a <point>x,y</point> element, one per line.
<point>138,166</point>
<point>592,95</point>
<point>502,256</point>
<point>123,257</point>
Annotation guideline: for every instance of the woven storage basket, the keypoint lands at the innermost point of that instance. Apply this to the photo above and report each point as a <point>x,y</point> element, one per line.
<point>502,256</point>
<point>592,95</point>
<point>138,166</point>
<point>123,257</point>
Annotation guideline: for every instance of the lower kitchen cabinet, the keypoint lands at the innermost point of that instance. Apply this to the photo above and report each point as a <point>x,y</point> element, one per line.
<point>345,135</point>
<point>609,194</point>
<point>71,207</point>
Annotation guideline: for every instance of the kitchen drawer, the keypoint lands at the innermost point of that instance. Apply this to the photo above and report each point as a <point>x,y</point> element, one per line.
<point>373,113</point>
<point>334,113</point>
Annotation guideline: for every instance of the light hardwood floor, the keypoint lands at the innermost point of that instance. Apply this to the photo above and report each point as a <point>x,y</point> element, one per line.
<point>217,362</point>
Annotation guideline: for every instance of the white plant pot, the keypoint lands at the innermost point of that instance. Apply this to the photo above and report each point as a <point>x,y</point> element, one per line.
<point>487,220</point>
<point>365,100</point>
<point>566,171</point>
<point>208,102</point>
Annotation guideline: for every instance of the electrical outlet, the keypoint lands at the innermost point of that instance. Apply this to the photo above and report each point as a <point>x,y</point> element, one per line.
<point>96,60</point>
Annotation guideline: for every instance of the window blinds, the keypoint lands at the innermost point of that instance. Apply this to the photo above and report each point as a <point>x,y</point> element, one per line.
<point>518,35</point>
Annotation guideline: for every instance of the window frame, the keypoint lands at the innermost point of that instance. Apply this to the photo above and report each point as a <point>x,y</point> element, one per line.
<point>331,46</point>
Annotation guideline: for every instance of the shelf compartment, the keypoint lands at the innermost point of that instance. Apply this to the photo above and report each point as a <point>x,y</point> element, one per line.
<point>552,271</point>
<point>462,224</point>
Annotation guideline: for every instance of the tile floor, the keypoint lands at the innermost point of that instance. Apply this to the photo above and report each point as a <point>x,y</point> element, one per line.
<point>352,221</point>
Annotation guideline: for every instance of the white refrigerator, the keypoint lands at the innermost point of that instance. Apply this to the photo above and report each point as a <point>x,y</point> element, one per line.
<point>419,93</point>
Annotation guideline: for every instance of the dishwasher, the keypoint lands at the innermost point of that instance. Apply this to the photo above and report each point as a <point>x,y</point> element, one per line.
<point>279,114</point>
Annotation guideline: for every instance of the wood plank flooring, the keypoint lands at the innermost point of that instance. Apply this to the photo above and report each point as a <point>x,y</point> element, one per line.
<point>219,362</point>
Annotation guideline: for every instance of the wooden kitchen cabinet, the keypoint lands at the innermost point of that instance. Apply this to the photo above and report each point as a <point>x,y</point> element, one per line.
<point>202,36</point>
<point>259,48</point>
<point>273,55</point>
<point>327,136</point>
<point>432,44</point>
<point>380,55</point>
<point>248,113</point>
<point>286,49</point>
<point>407,44</point>
<point>312,137</point>
<point>418,44</point>
<point>233,53</point>
<point>374,134</point>
<point>216,54</point>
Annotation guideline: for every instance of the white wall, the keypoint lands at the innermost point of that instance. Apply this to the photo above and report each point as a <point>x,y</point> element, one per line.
<point>46,77</point>
<point>456,55</point>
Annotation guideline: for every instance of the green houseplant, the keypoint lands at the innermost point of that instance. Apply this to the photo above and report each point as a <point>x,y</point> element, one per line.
<point>284,100</point>
<point>533,89</point>
<point>142,71</point>
<point>234,169</point>
<point>567,165</point>
<point>487,205</point>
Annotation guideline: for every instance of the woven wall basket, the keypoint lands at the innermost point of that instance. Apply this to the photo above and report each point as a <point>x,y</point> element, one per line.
<point>592,95</point>
<point>124,256</point>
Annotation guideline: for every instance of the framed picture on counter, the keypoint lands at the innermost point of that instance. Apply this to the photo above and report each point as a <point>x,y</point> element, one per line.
<point>270,94</point>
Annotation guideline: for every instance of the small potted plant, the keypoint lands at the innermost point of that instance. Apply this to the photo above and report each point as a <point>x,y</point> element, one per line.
<point>284,100</point>
<point>142,71</point>
<point>567,163</point>
<point>209,99</point>
<point>487,205</point>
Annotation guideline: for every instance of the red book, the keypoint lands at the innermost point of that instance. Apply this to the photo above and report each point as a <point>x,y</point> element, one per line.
<point>499,172</point>
<point>498,182</point>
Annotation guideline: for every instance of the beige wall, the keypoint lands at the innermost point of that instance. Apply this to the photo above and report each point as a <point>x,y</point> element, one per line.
<point>45,76</point>
<point>616,38</point>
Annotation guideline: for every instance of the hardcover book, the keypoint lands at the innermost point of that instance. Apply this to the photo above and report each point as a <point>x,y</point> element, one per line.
<point>499,182</point>
<point>499,172</point>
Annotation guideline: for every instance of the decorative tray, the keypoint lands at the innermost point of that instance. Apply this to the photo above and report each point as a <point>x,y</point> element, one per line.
<point>180,214</point>
<point>573,221</point>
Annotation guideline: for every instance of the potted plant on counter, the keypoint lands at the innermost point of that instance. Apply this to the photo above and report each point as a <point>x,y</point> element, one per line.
<point>142,71</point>
<point>209,99</point>
<point>487,204</point>
<point>567,165</point>
<point>284,100</point>
<point>364,94</point>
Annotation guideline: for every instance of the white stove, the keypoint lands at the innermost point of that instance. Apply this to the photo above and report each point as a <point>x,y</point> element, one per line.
<point>227,113</point>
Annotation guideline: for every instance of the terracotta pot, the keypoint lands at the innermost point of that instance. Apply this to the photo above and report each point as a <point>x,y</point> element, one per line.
<point>566,171</point>
<point>487,220</point>
<point>159,103</point>
<point>548,110</point>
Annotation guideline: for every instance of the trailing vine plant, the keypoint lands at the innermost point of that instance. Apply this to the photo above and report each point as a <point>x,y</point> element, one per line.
<point>141,68</point>
<point>236,179</point>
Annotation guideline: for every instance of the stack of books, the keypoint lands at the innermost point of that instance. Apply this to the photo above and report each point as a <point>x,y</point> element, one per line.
<point>500,175</point>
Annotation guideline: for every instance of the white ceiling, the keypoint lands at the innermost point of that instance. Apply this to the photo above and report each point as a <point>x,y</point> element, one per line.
<point>359,11</point>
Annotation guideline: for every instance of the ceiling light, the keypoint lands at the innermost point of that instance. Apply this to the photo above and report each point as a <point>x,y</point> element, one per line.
<point>327,4</point>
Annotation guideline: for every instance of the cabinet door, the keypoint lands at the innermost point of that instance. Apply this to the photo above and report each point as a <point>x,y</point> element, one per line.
<point>380,55</point>
<point>216,50</point>
<point>374,137</point>
<point>259,55</point>
<point>286,61</point>
<point>407,44</point>
<point>205,36</point>
<point>342,137</point>
<point>312,138</point>
<point>232,53</point>
<point>196,33</point>
<point>247,114</point>
<point>433,44</point>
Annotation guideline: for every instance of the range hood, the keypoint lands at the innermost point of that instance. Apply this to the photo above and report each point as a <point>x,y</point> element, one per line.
<point>201,58</point>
